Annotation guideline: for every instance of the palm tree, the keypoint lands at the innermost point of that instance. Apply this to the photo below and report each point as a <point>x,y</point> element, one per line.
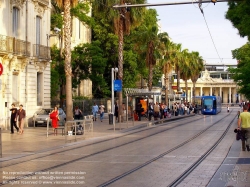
<point>197,66</point>
<point>122,22</point>
<point>168,64</point>
<point>177,58</point>
<point>66,5</point>
<point>185,71</point>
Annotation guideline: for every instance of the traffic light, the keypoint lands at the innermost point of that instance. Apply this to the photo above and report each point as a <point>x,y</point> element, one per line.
<point>214,1</point>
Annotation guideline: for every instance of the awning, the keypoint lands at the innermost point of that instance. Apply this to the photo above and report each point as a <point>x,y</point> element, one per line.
<point>140,92</point>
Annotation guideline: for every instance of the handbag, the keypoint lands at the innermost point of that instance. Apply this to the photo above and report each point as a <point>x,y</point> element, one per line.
<point>239,134</point>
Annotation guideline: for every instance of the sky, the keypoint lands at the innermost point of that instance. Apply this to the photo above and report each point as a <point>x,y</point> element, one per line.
<point>185,24</point>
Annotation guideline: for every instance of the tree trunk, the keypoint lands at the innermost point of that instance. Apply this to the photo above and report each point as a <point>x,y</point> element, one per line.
<point>150,77</point>
<point>67,65</point>
<point>166,89</point>
<point>120,62</point>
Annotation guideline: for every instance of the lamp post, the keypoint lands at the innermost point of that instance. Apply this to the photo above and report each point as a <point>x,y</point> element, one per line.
<point>113,70</point>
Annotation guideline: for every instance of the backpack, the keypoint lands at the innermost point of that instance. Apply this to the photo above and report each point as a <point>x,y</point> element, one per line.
<point>156,108</point>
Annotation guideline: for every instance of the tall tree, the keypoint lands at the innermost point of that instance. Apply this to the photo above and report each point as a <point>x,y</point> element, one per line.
<point>122,21</point>
<point>168,64</point>
<point>238,14</point>
<point>196,65</point>
<point>66,5</point>
<point>241,74</point>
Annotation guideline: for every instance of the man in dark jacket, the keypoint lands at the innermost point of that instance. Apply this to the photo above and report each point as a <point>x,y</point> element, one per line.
<point>139,110</point>
<point>12,119</point>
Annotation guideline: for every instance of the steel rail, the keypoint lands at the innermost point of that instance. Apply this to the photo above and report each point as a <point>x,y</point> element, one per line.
<point>157,157</point>
<point>202,158</point>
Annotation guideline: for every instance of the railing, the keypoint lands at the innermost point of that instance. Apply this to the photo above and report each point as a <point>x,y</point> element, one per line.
<point>41,51</point>
<point>12,45</point>
<point>21,47</point>
<point>6,44</point>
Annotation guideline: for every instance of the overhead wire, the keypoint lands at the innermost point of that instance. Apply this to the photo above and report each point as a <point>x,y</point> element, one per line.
<point>209,30</point>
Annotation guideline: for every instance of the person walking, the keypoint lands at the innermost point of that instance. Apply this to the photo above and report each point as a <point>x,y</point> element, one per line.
<point>244,125</point>
<point>12,119</point>
<point>20,116</point>
<point>101,111</point>
<point>94,111</point>
<point>77,113</point>
<point>227,108</point>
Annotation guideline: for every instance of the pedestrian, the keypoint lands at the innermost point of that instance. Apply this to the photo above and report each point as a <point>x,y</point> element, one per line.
<point>78,113</point>
<point>244,125</point>
<point>94,111</point>
<point>156,111</point>
<point>227,108</point>
<point>116,111</point>
<point>101,111</point>
<point>54,116</point>
<point>20,116</point>
<point>12,119</point>
<point>150,111</point>
<point>139,110</point>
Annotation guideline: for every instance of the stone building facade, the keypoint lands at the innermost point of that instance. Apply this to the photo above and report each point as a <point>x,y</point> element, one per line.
<point>25,56</point>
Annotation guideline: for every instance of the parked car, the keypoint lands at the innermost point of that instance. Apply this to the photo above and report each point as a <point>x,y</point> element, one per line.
<point>40,118</point>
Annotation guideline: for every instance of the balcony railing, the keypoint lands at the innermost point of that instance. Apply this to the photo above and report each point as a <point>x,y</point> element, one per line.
<point>14,46</point>
<point>21,47</point>
<point>41,51</point>
<point>6,44</point>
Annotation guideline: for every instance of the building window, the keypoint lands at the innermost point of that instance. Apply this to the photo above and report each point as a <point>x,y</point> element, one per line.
<point>38,30</point>
<point>15,21</point>
<point>39,89</point>
<point>15,88</point>
<point>38,35</point>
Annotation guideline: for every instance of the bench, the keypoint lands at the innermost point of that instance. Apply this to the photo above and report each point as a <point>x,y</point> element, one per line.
<point>62,128</point>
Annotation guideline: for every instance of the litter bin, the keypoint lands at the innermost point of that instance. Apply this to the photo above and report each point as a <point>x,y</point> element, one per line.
<point>111,119</point>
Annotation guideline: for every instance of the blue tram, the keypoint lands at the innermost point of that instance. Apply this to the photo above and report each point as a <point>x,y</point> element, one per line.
<point>210,105</point>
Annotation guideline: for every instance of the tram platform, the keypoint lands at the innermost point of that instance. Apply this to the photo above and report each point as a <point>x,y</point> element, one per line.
<point>234,170</point>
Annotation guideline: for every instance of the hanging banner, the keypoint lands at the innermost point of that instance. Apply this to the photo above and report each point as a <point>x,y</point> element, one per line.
<point>117,85</point>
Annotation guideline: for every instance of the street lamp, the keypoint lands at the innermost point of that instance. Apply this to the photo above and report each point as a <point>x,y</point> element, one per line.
<point>113,70</point>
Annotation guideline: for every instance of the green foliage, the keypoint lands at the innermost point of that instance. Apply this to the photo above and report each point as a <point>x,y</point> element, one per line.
<point>238,14</point>
<point>81,11</point>
<point>157,73</point>
<point>88,63</point>
<point>57,71</point>
<point>241,74</point>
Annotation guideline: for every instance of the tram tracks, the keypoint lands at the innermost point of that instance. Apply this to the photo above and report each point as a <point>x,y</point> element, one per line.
<point>187,172</point>
<point>114,147</point>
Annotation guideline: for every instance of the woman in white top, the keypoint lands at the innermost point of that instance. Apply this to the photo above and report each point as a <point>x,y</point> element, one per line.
<point>101,111</point>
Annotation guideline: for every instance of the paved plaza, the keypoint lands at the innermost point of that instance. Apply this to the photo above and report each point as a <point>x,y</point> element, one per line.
<point>97,157</point>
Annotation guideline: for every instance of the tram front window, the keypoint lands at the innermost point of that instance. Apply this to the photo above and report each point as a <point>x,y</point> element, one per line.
<point>208,104</point>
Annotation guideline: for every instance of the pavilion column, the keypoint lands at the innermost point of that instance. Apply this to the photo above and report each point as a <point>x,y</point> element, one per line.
<point>229,94</point>
<point>220,92</point>
<point>201,91</point>
<point>211,90</point>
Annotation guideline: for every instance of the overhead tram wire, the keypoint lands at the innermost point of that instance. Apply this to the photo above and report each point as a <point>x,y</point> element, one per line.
<point>209,30</point>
